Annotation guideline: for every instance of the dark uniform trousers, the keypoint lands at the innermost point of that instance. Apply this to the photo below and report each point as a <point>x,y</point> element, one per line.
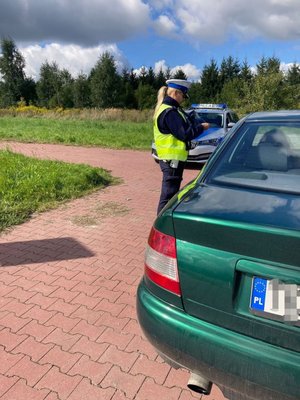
<point>171,181</point>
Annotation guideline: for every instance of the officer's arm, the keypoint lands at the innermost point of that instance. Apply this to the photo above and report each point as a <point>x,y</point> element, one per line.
<point>184,131</point>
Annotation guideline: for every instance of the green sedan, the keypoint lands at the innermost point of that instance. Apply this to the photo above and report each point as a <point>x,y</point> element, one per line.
<point>220,295</point>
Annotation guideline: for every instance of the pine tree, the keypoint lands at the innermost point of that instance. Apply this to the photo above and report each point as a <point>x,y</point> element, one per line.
<point>261,66</point>
<point>179,74</point>
<point>168,74</point>
<point>142,78</point>
<point>195,93</point>
<point>133,79</point>
<point>81,91</point>
<point>145,96</point>
<point>48,85</point>
<point>66,99</point>
<point>127,97</point>
<point>246,73</point>
<point>160,79</point>
<point>105,83</point>
<point>268,65</point>
<point>293,74</point>
<point>293,85</point>
<point>14,84</point>
<point>230,69</point>
<point>150,78</point>
<point>210,82</point>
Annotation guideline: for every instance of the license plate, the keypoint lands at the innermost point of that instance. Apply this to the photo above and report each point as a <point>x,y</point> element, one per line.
<point>276,300</point>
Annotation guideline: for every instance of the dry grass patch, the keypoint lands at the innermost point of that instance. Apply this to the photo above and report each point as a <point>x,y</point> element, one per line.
<point>84,220</point>
<point>101,211</point>
<point>111,209</point>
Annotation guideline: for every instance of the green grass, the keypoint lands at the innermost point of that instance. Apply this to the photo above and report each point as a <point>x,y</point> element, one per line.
<point>29,185</point>
<point>112,134</point>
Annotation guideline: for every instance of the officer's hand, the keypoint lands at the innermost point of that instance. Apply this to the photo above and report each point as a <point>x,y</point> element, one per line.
<point>205,125</point>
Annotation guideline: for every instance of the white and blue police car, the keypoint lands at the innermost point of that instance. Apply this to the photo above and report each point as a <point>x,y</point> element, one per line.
<point>220,118</point>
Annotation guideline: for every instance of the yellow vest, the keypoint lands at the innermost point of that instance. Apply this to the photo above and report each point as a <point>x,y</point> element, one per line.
<point>168,147</point>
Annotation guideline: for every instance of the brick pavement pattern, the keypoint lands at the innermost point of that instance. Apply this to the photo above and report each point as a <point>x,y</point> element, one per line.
<point>68,279</point>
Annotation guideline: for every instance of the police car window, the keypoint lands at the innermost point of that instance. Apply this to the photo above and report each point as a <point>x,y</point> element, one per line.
<point>234,117</point>
<point>214,119</point>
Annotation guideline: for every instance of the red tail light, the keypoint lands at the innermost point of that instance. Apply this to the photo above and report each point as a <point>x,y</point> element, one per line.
<point>161,261</point>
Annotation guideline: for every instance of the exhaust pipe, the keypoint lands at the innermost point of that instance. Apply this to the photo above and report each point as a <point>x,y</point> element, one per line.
<point>199,384</point>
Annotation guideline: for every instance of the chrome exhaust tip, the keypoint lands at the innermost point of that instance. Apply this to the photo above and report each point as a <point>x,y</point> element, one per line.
<point>199,384</point>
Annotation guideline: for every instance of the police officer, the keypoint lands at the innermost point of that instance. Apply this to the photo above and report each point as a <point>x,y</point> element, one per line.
<point>173,130</point>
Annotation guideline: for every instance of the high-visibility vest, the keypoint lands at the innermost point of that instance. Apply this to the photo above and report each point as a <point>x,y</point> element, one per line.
<point>168,147</point>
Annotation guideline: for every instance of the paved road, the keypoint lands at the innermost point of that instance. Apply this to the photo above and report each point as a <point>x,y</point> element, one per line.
<point>68,279</point>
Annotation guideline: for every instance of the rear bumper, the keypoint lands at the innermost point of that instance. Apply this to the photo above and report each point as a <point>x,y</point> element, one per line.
<point>244,368</point>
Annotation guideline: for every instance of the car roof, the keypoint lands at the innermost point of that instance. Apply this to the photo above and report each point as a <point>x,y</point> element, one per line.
<point>273,115</point>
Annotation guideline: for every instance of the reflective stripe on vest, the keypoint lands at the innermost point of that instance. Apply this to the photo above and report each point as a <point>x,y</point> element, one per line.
<point>168,147</point>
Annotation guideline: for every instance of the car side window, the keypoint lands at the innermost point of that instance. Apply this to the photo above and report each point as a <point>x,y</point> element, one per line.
<point>231,117</point>
<point>234,117</point>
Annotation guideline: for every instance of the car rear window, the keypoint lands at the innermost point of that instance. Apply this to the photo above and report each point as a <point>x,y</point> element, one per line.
<point>261,155</point>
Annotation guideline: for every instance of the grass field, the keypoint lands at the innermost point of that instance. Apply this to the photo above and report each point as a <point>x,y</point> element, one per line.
<point>82,132</point>
<point>28,185</point>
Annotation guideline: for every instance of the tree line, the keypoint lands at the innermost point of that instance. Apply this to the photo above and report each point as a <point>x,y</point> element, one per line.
<point>233,82</point>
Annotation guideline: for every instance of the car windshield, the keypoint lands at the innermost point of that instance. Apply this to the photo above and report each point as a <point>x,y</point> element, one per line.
<point>214,119</point>
<point>261,155</point>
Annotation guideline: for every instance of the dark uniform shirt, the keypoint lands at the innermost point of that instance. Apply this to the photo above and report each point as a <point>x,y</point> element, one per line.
<point>170,121</point>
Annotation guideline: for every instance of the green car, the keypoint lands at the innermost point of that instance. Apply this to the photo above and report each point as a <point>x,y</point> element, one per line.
<point>220,295</point>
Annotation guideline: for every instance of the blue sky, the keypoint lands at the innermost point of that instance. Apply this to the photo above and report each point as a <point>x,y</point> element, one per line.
<point>156,33</point>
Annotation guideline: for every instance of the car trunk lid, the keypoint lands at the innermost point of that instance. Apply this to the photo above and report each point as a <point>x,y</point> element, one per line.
<point>220,253</point>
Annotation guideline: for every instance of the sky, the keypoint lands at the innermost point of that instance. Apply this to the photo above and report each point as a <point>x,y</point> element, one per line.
<point>161,34</point>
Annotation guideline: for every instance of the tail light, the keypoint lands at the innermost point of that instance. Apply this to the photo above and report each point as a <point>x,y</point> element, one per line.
<point>161,261</point>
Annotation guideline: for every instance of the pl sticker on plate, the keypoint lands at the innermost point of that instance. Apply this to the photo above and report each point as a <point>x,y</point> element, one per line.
<point>276,300</point>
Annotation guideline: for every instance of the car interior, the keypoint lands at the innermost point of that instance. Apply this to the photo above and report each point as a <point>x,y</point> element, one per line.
<point>266,158</point>
<point>271,153</point>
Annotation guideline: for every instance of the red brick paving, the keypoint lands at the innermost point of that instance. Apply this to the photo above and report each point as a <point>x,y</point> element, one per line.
<point>68,279</point>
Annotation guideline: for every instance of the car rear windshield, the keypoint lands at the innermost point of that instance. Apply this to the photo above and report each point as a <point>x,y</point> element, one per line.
<point>261,155</point>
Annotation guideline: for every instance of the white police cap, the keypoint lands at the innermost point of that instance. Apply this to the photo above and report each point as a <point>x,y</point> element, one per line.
<point>180,84</point>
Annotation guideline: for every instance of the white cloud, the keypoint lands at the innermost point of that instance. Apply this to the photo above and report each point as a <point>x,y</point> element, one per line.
<point>81,30</point>
<point>138,71</point>
<point>192,72</point>
<point>215,21</point>
<point>92,22</point>
<point>86,22</point>
<point>161,4</point>
<point>164,26</point>
<point>78,59</point>
<point>286,66</point>
<point>74,58</point>
<point>160,66</point>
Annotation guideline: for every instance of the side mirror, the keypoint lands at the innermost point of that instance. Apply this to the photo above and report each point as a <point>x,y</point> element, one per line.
<point>230,125</point>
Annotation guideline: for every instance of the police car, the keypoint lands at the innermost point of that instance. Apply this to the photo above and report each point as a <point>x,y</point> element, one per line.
<point>220,118</point>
